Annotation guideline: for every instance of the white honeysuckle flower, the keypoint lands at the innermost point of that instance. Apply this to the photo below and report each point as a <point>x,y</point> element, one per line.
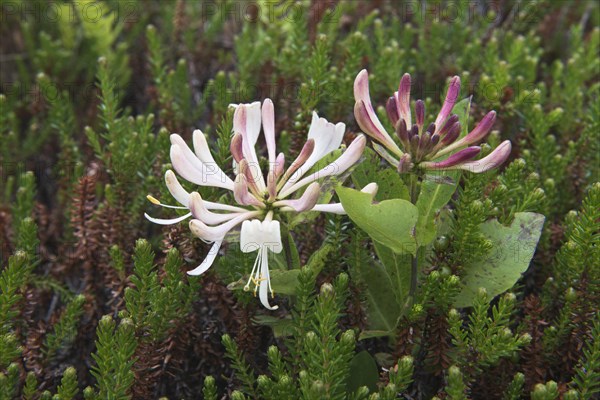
<point>259,198</point>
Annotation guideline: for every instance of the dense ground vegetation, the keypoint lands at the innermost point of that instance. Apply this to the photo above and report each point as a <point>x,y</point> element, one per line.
<point>94,299</point>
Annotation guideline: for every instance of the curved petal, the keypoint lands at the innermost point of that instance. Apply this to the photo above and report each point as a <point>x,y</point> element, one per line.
<point>455,159</point>
<point>216,233</point>
<point>370,128</point>
<point>337,208</point>
<point>305,153</point>
<point>403,99</point>
<point>268,121</point>
<point>365,114</point>
<point>247,121</point>
<point>201,212</point>
<point>345,161</point>
<point>492,160</point>
<point>327,136</point>
<point>208,261</point>
<point>451,97</point>
<point>175,188</point>
<point>306,202</point>
<point>192,169</point>
<point>201,147</point>
<point>481,130</point>
<point>167,221</point>
<point>265,283</point>
<point>242,195</point>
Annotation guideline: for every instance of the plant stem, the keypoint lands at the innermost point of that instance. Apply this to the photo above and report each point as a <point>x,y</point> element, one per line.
<point>413,190</point>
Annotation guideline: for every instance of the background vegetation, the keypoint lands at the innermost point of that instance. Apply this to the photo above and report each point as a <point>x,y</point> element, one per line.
<point>94,300</point>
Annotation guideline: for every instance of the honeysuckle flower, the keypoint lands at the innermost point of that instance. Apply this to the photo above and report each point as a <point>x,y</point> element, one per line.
<point>424,146</point>
<point>260,199</point>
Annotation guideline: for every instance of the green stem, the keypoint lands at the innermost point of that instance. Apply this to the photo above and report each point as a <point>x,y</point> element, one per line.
<point>414,189</point>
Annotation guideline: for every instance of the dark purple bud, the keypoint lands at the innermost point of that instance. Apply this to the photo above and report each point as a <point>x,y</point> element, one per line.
<point>431,128</point>
<point>435,139</point>
<point>420,112</point>
<point>457,158</point>
<point>452,134</point>
<point>449,122</point>
<point>413,131</point>
<point>402,133</point>
<point>424,142</point>
<point>482,129</point>
<point>414,144</point>
<point>392,110</point>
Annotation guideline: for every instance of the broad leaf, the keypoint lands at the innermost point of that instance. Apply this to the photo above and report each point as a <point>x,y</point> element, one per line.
<point>397,267</point>
<point>382,305</point>
<point>432,198</point>
<point>391,186</point>
<point>501,268</point>
<point>390,222</point>
<point>363,372</point>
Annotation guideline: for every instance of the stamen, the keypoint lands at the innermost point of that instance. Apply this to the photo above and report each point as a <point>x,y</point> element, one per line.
<point>157,202</point>
<point>153,200</point>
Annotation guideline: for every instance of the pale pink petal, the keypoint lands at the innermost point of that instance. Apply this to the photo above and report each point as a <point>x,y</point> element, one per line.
<point>268,120</point>
<point>345,161</point>
<point>492,160</point>
<point>192,169</point>
<point>175,188</point>
<point>247,121</point>
<point>201,147</point>
<point>305,153</point>
<point>368,126</point>
<point>365,114</point>
<point>403,99</point>
<point>337,208</point>
<point>218,232</point>
<point>201,212</point>
<point>307,201</point>
<point>242,195</point>
<point>236,147</point>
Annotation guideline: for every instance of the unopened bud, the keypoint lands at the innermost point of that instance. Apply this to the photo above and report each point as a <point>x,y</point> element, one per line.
<point>570,295</point>
<point>348,337</point>
<point>327,289</point>
<point>263,381</point>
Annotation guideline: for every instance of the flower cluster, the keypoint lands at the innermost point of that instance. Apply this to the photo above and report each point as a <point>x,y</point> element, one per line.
<point>424,147</point>
<point>259,198</point>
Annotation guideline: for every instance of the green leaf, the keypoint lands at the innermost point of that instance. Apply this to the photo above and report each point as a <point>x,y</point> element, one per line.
<point>363,372</point>
<point>462,109</point>
<point>397,267</point>
<point>391,186</point>
<point>390,222</point>
<point>432,198</point>
<point>382,304</point>
<point>501,268</point>
<point>284,281</point>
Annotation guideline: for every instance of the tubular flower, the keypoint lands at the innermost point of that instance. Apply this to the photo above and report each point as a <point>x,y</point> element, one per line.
<point>424,145</point>
<point>259,198</point>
